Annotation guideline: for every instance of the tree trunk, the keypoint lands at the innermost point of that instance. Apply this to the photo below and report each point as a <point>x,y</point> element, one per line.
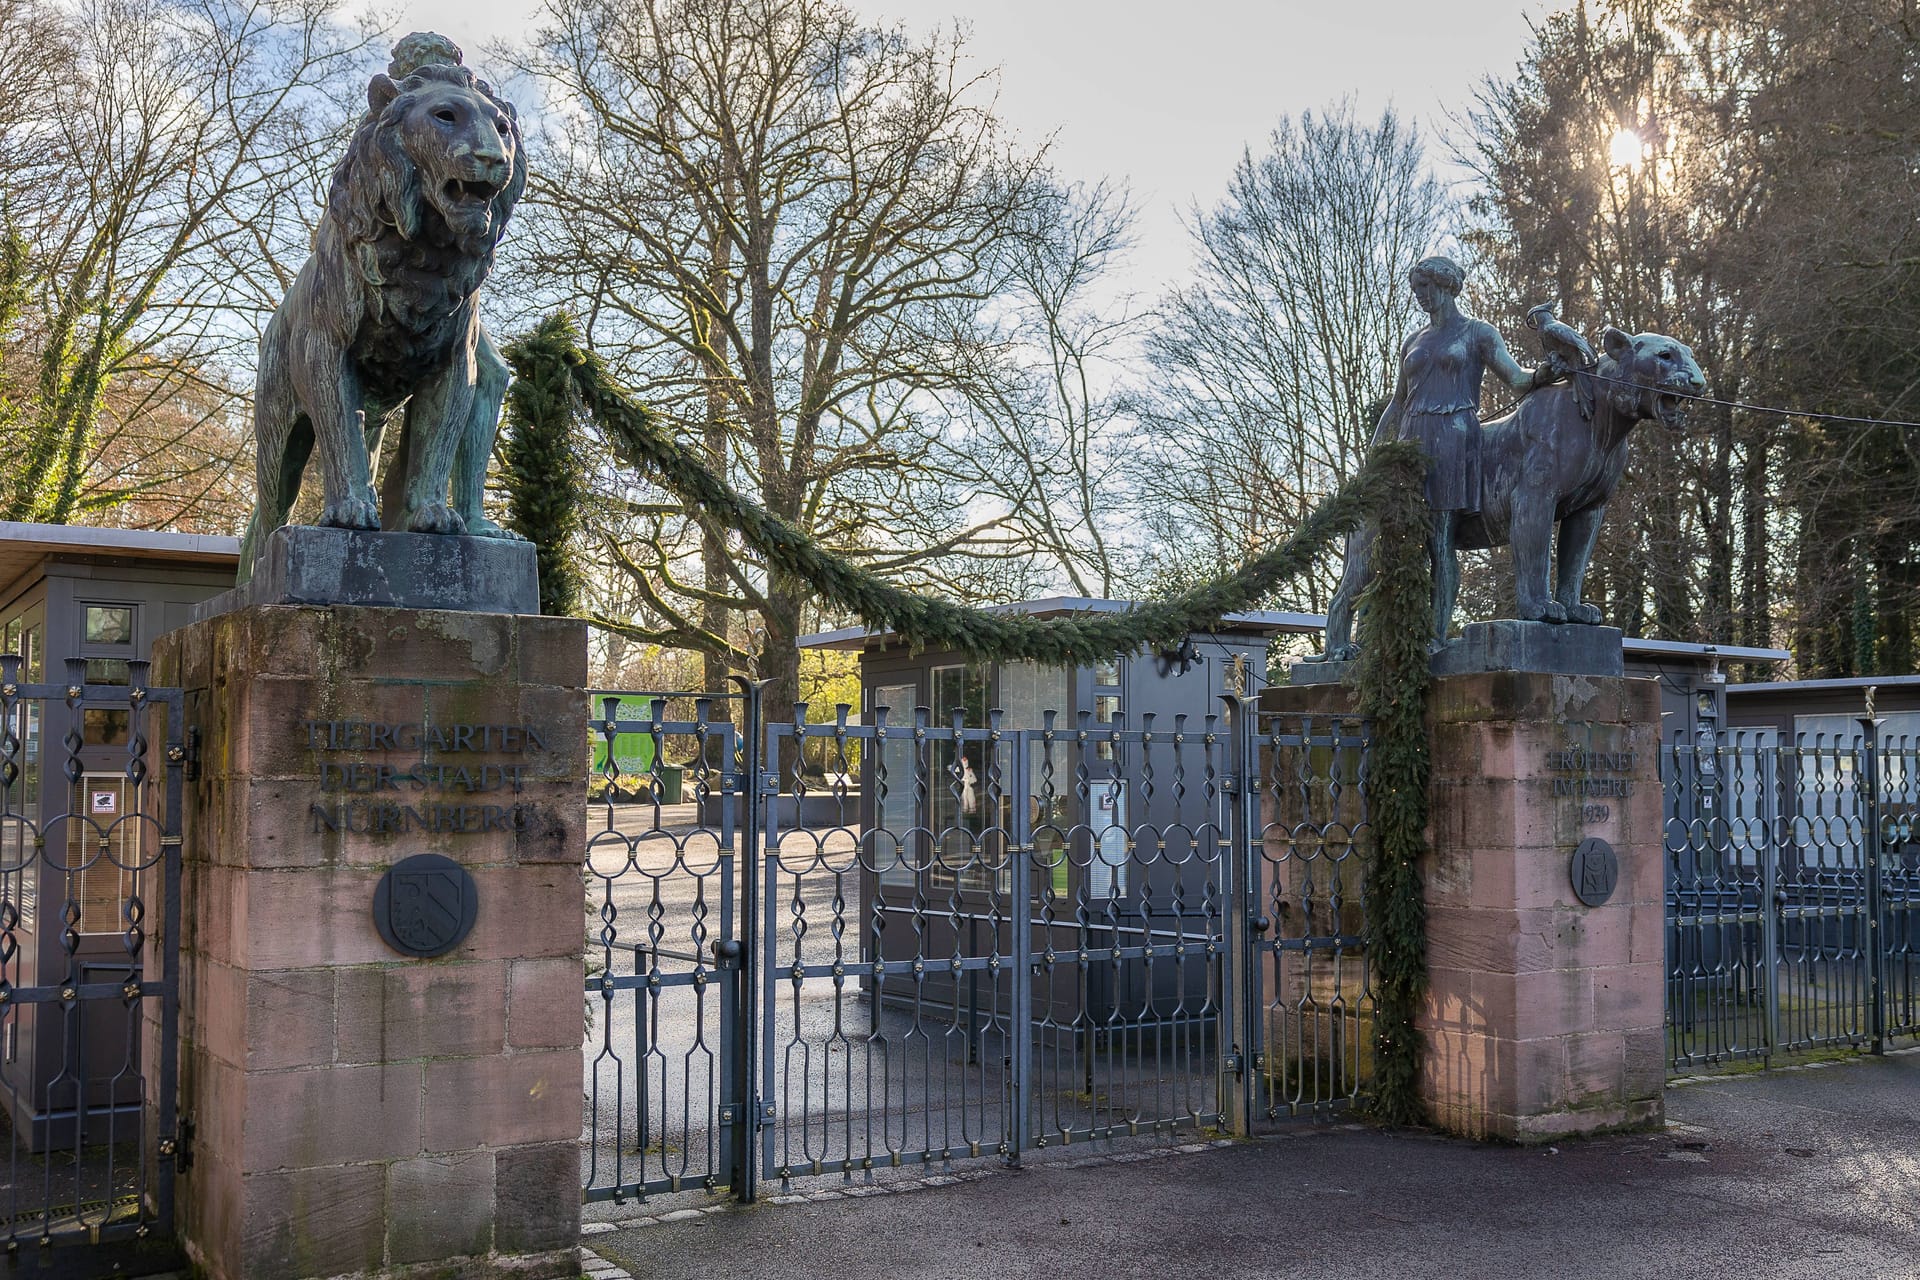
<point>780,664</point>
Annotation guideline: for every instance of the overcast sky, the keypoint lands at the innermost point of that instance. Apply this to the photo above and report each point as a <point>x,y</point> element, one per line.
<point>1168,94</point>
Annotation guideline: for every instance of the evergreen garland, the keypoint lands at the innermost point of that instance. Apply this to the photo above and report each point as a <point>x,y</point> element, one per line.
<point>543,480</point>
<point>1391,678</point>
<point>553,373</point>
<point>550,357</point>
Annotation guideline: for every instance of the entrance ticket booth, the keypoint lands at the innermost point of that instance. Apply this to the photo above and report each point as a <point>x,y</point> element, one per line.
<point>79,602</point>
<point>1080,812</point>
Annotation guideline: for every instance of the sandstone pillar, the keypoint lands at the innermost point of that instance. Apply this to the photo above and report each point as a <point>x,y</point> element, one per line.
<point>1545,1016</point>
<point>358,1111</point>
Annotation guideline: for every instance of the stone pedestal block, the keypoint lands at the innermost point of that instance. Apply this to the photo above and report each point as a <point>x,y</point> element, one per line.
<point>313,564</point>
<point>358,1111</point>
<point>1545,1014</point>
<point>1505,644</point>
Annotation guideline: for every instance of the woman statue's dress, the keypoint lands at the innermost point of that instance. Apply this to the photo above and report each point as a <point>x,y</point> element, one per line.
<point>1442,375</point>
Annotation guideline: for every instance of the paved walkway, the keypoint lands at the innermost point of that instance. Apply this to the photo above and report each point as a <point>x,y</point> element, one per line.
<point>1798,1174</point>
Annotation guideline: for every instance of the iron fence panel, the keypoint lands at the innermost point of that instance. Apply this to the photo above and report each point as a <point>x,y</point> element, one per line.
<point>662,1058</point>
<point>1315,1026</point>
<point>89,963</point>
<point>900,944</point>
<point>1129,870</point>
<point>1789,894</point>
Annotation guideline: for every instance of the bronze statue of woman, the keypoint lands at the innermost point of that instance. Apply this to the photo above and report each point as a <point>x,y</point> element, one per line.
<point>1436,401</point>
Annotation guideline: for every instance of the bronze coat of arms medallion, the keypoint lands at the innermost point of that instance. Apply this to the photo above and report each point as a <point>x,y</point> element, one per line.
<point>425,905</point>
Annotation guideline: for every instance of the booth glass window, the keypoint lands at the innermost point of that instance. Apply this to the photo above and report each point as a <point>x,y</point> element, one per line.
<point>1899,755</point>
<point>21,801</point>
<point>895,857</point>
<point>1027,692</point>
<point>105,849</point>
<point>961,805</point>
<point>1741,776</point>
<point>109,624</point>
<point>108,627</point>
<point>1107,867</point>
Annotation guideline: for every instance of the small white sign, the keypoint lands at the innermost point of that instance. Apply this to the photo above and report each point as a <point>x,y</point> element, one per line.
<point>106,802</point>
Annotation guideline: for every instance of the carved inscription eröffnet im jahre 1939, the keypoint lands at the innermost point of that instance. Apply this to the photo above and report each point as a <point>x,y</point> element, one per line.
<point>437,787</point>
<point>1590,778</point>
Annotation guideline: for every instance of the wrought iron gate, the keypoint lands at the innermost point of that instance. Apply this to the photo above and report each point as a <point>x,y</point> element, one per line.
<point>90,808</point>
<point>1793,893</point>
<point>836,947</point>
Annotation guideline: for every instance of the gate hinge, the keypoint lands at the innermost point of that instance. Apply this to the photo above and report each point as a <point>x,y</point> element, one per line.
<point>763,1113</point>
<point>180,1147</point>
<point>190,758</point>
<point>1233,1062</point>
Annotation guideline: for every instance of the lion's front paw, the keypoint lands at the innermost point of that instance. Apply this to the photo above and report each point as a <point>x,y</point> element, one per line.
<point>436,517</point>
<point>481,527</point>
<point>358,512</point>
<point>1554,612</point>
<point>1583,613</point>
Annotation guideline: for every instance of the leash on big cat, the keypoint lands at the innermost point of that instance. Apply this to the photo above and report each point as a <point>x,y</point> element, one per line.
<point>1774,410</point>
<point>1574,356</point>
<point>1592,371</point>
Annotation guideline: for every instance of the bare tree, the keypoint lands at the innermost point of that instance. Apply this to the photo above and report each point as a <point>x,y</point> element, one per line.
<point>147,179</point>
<point>1047,438</point>
<point>1617,169</point>
<point>781,224</point>
<point>1266,366</point>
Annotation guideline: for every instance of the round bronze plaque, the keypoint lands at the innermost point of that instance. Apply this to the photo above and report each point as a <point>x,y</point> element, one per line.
<point>425,905</point>
<point>1595,871</point>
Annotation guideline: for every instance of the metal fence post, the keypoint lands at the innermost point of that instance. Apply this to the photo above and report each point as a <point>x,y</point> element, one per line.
<point>747,1023</point>
<point>736,1129</point>
<point>1769,856</point>
<point>1241,971</point>
<point>1022,869</point>
<point>1871,856</point>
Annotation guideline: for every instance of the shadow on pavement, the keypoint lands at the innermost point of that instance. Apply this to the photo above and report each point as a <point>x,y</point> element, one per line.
<point>1807,1173</point>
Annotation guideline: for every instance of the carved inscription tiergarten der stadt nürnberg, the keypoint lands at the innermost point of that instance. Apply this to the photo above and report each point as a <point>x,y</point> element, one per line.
<point>438,795</point>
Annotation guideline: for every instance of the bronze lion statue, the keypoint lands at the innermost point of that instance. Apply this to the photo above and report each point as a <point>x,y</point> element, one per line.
<point>1552,463</point>
<point>383,317</point>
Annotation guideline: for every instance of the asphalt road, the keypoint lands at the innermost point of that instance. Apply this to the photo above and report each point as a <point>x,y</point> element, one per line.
<point>1799,1175</point>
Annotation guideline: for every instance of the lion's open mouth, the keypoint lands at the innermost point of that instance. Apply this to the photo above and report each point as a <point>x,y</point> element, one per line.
<point>466,191</point>
<point>1670,407</point>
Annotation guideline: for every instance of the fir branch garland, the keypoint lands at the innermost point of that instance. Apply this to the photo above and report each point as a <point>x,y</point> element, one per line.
<point>553,374</point>
<point>543,482</point>
<point>551,355</point>
<point>1391,678</point>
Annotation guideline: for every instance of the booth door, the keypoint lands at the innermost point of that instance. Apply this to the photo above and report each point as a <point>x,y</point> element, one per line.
<point>104,1038</point>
